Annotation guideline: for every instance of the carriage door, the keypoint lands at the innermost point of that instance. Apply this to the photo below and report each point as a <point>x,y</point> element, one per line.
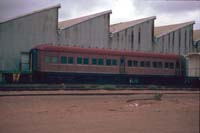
<point>24,62</point>
<point>122,66</point>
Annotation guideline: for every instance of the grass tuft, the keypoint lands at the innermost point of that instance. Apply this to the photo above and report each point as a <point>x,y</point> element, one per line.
<point>158,96</point>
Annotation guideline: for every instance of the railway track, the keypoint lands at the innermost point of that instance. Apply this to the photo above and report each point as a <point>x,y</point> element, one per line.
<point>92,93</point>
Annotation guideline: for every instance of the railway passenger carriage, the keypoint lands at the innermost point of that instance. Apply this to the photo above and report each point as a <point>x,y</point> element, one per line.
<point>91,65</point>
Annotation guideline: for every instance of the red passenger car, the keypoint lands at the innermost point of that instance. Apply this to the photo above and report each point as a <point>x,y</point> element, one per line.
<point>91,65</point>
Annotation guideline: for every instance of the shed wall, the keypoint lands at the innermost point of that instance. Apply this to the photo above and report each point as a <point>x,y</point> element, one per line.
<point>136,38</point>
<point>22,34</point>
<point>197,46</point>
<point>176,42</point>
<point>194,66</point>
<point>91,33</point>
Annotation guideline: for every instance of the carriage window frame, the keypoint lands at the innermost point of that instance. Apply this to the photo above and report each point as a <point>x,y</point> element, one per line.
<point>147,64</point>
<point>100,61</point>
<point>142,64</point>
<point>54,59</point>
<point>166,65</point>
<point>177,65</point>
<point>130,63</point>
<point>79,60</point>
<point>135,63</point>
<point>70,60</point>
<point>85,61</point>
<point>108,62</point>
<point>94,61</point>
<point>63,59</point>
<point>159,64</point>
<point>47,59</point>
<point>171,65</point>
<point>114,62</point>
<point>154,64</point>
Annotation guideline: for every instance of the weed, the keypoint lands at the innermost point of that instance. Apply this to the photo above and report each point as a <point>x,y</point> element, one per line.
<point>158,96</point>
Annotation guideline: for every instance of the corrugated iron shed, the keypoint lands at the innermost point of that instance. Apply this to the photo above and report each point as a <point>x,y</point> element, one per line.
<point>193,64</point>
<point>163,30</point>
<point>18,35</point>
<point>71,22</point>
<point>124,25</point>
<point>196,35</point>
<point>30,13</point>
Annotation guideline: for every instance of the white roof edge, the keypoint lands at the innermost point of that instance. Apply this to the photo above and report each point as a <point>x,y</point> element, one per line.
<point>147,19</point>
<point>33,12</point>
<point>192,54</point>
<point>100,14</point>
<point>107,11</point>
<point>196,40</point>
<point>179,27</point>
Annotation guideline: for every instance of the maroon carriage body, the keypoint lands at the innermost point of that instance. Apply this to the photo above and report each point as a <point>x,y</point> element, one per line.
<point>127,62</point>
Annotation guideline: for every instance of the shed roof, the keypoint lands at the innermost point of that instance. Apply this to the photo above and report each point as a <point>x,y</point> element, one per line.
<point>30,13</point>
<point>53,48</point>
<point>71,22</point>
<point>124,25</point>
<point>163,30</point>
<point>190,55</point>
<point>196,35</point>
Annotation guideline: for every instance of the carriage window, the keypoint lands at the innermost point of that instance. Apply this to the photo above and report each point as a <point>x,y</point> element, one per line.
<point>47,59</point>
<point>85,61</point>
<point>171,65</point>
<point>155,64</point>
<point>147,64</point>
<point>70,60</point>
<point>54,59</point>
<point>100,62</point>
<point>63,59</point>
<point>114,62</point>
<point>166,65</point>
<point>108,62</point>
<point>94,61</point>
<point>177,65</point>
<point>142,63</point>
<point>129,63</point>
<point>122,62</point>
<point>160,65</point>
<point>135,63</point>
<point>79,60</point>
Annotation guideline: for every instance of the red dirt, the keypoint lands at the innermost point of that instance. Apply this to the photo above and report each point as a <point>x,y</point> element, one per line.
<point>175,113</point>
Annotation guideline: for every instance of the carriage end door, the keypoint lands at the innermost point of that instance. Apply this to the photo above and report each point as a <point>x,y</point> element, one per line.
<point>122,66</point>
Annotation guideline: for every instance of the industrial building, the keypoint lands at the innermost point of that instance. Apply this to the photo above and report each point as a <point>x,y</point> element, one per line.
<point>175,39</point>
<point>136,35</point>
<point>87,31</point>
<point>193,60</point>
<point>20,34</point>
<point>196,40</point>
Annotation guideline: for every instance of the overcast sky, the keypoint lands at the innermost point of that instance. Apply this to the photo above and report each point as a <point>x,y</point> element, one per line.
<point>166,11</point>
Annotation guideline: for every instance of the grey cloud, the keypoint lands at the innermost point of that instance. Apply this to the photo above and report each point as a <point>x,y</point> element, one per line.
<point>175,6</point>
<point>175,9</point>
<point>74,8</point>
<point>162,6</point>
<point>68,8</point>
<point>12,8</point>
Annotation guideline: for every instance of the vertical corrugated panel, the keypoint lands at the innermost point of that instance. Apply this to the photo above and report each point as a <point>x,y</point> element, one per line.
<point>34,60</point>
<point>24,62</point>
<point>91,33</point>
<point>23,34</point>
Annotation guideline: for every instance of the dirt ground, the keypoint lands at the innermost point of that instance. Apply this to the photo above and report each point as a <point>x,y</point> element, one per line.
<point>137,113</point>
